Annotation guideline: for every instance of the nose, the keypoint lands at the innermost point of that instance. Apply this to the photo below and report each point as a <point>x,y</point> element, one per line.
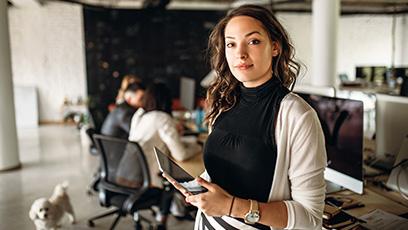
<point>241,52</point>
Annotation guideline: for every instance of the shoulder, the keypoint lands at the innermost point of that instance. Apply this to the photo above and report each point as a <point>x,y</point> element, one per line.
<point>293,105</point>
<point>125,109</point>
<point>139,113</point>
<point>158,117</point>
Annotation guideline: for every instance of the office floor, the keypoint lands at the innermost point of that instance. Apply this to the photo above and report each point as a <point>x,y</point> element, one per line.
<point>50,155</point>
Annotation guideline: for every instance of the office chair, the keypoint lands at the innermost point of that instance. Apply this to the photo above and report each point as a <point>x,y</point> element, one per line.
<point>125,181</point>
<point>93,186</point>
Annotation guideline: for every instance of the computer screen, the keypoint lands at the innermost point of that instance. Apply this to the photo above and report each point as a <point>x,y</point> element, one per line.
<point>342,122</point>
<point>404,87</point>
<point>187,89</point>
<point>374,74</point>
<point>401,75</point>
<point>364,73</point>
<point>400,72</point>
<point>391,125</point>
<point>379,75</point>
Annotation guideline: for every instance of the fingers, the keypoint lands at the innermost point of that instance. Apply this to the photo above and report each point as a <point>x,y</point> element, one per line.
<point>193,199</point>
<point>177,185</point>
<point>205,184</point>
<point>170,179</point>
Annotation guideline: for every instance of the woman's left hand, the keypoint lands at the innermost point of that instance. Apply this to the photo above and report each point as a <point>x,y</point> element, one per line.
<point>215,202</point>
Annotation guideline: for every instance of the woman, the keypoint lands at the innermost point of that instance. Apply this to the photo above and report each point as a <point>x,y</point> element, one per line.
<point>152,125</point>
<point>265,155</point>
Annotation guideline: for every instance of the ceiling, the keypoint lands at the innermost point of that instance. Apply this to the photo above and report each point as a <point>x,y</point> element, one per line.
<point>295,6</point>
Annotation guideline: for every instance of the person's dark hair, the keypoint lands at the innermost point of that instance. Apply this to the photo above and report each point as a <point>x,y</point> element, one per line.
<point>127,79</point>
<point>157,97</point>
<point>133,87</point>
<point>223,92</point>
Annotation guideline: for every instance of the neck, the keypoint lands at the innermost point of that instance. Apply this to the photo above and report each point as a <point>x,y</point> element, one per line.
<point>252,84</point>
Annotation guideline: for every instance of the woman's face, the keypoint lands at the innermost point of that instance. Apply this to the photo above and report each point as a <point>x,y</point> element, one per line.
<point>249,51</point>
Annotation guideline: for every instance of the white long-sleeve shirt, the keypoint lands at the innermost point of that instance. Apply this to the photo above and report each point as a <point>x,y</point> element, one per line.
<point>158,129</point>
<point>299,172</point>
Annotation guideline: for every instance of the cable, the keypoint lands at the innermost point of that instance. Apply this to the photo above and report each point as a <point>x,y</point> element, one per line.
<point>400,163</point>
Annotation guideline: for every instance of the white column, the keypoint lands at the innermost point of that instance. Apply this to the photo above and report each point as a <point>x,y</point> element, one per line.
<point>9,158</point>
<point>325,19</point>
<point>401,49</point>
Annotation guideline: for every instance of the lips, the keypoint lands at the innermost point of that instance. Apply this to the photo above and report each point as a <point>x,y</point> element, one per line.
<point>244,66</point>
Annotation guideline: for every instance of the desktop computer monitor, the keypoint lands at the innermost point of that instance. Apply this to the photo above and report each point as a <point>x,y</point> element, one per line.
<point>391,123</point>
<point>404,87</point>
<point>400,72</point>
<point>364,73</point>
<point>379,75</point>
<point>342,123</point>
<point>372,74</point>
<point>187,92</point>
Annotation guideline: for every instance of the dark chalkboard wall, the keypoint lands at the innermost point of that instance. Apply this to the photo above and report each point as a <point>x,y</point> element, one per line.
<point>152,44</point>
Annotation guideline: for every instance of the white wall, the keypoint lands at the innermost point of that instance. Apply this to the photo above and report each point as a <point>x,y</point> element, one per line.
<point>402,54</point>
<point>363,40</point>
<point>299,27</point>
<point>47,49</point>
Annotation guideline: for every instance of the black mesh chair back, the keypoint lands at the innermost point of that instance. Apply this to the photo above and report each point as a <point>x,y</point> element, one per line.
<point>124,163</point>
<point>125,179</point>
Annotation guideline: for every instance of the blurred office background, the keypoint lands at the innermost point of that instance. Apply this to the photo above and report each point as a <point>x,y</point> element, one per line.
<point>68,57</point>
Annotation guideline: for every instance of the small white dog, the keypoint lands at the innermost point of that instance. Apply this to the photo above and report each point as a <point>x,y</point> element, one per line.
<point>47,214</point>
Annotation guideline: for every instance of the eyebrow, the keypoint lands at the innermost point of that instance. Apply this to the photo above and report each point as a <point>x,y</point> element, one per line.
<point>246,35</point>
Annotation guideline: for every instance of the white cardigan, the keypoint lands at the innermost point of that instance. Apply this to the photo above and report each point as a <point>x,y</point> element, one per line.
<point>301,159</point>
<point>156,128</point>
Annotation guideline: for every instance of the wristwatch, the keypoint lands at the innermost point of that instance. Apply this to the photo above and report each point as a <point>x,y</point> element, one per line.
<point>253,215</point>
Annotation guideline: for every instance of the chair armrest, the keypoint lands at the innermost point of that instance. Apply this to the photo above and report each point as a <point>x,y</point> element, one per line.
<point>116,188</point>
<point>131,200</point>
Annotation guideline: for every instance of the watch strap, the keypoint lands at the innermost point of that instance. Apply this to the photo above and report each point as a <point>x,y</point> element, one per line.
<point>254,205</point>
<point>253,212</point>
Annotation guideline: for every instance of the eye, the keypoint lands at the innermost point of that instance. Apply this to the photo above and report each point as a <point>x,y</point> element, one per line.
<point>254,42</point>
<point>229,45</point>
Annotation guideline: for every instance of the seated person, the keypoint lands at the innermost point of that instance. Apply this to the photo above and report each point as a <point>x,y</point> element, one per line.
<point>117,123</point>
<point>153,125</point>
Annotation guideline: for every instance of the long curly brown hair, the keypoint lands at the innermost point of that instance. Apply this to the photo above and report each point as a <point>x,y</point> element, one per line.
<point>223,93</point>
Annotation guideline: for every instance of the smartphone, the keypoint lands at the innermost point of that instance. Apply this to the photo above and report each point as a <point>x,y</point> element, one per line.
<point>174,171</point>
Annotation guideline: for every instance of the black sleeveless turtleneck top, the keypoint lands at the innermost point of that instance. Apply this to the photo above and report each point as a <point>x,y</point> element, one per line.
<point>240,153</point>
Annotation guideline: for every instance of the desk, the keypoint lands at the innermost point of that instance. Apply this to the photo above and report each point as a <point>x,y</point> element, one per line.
<point>373,200</point>
<point>194,165</point>
<point>372,89</point>
<point>373,197</point>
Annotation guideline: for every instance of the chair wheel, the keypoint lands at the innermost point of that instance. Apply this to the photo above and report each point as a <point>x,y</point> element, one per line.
<point>91,223</point>
<point>160,227</point>
<point>138,226</point>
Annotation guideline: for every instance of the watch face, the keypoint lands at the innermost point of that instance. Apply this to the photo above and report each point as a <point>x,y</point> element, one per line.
<point>252,217</point>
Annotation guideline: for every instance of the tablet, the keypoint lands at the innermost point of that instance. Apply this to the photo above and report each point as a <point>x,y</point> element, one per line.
<point>173,170</point>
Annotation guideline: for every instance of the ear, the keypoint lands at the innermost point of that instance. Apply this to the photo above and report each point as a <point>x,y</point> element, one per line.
<point>275,48</point>
<point>33,214</point>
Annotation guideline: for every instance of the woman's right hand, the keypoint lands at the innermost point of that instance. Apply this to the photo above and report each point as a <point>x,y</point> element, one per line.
<point>177,185</point>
